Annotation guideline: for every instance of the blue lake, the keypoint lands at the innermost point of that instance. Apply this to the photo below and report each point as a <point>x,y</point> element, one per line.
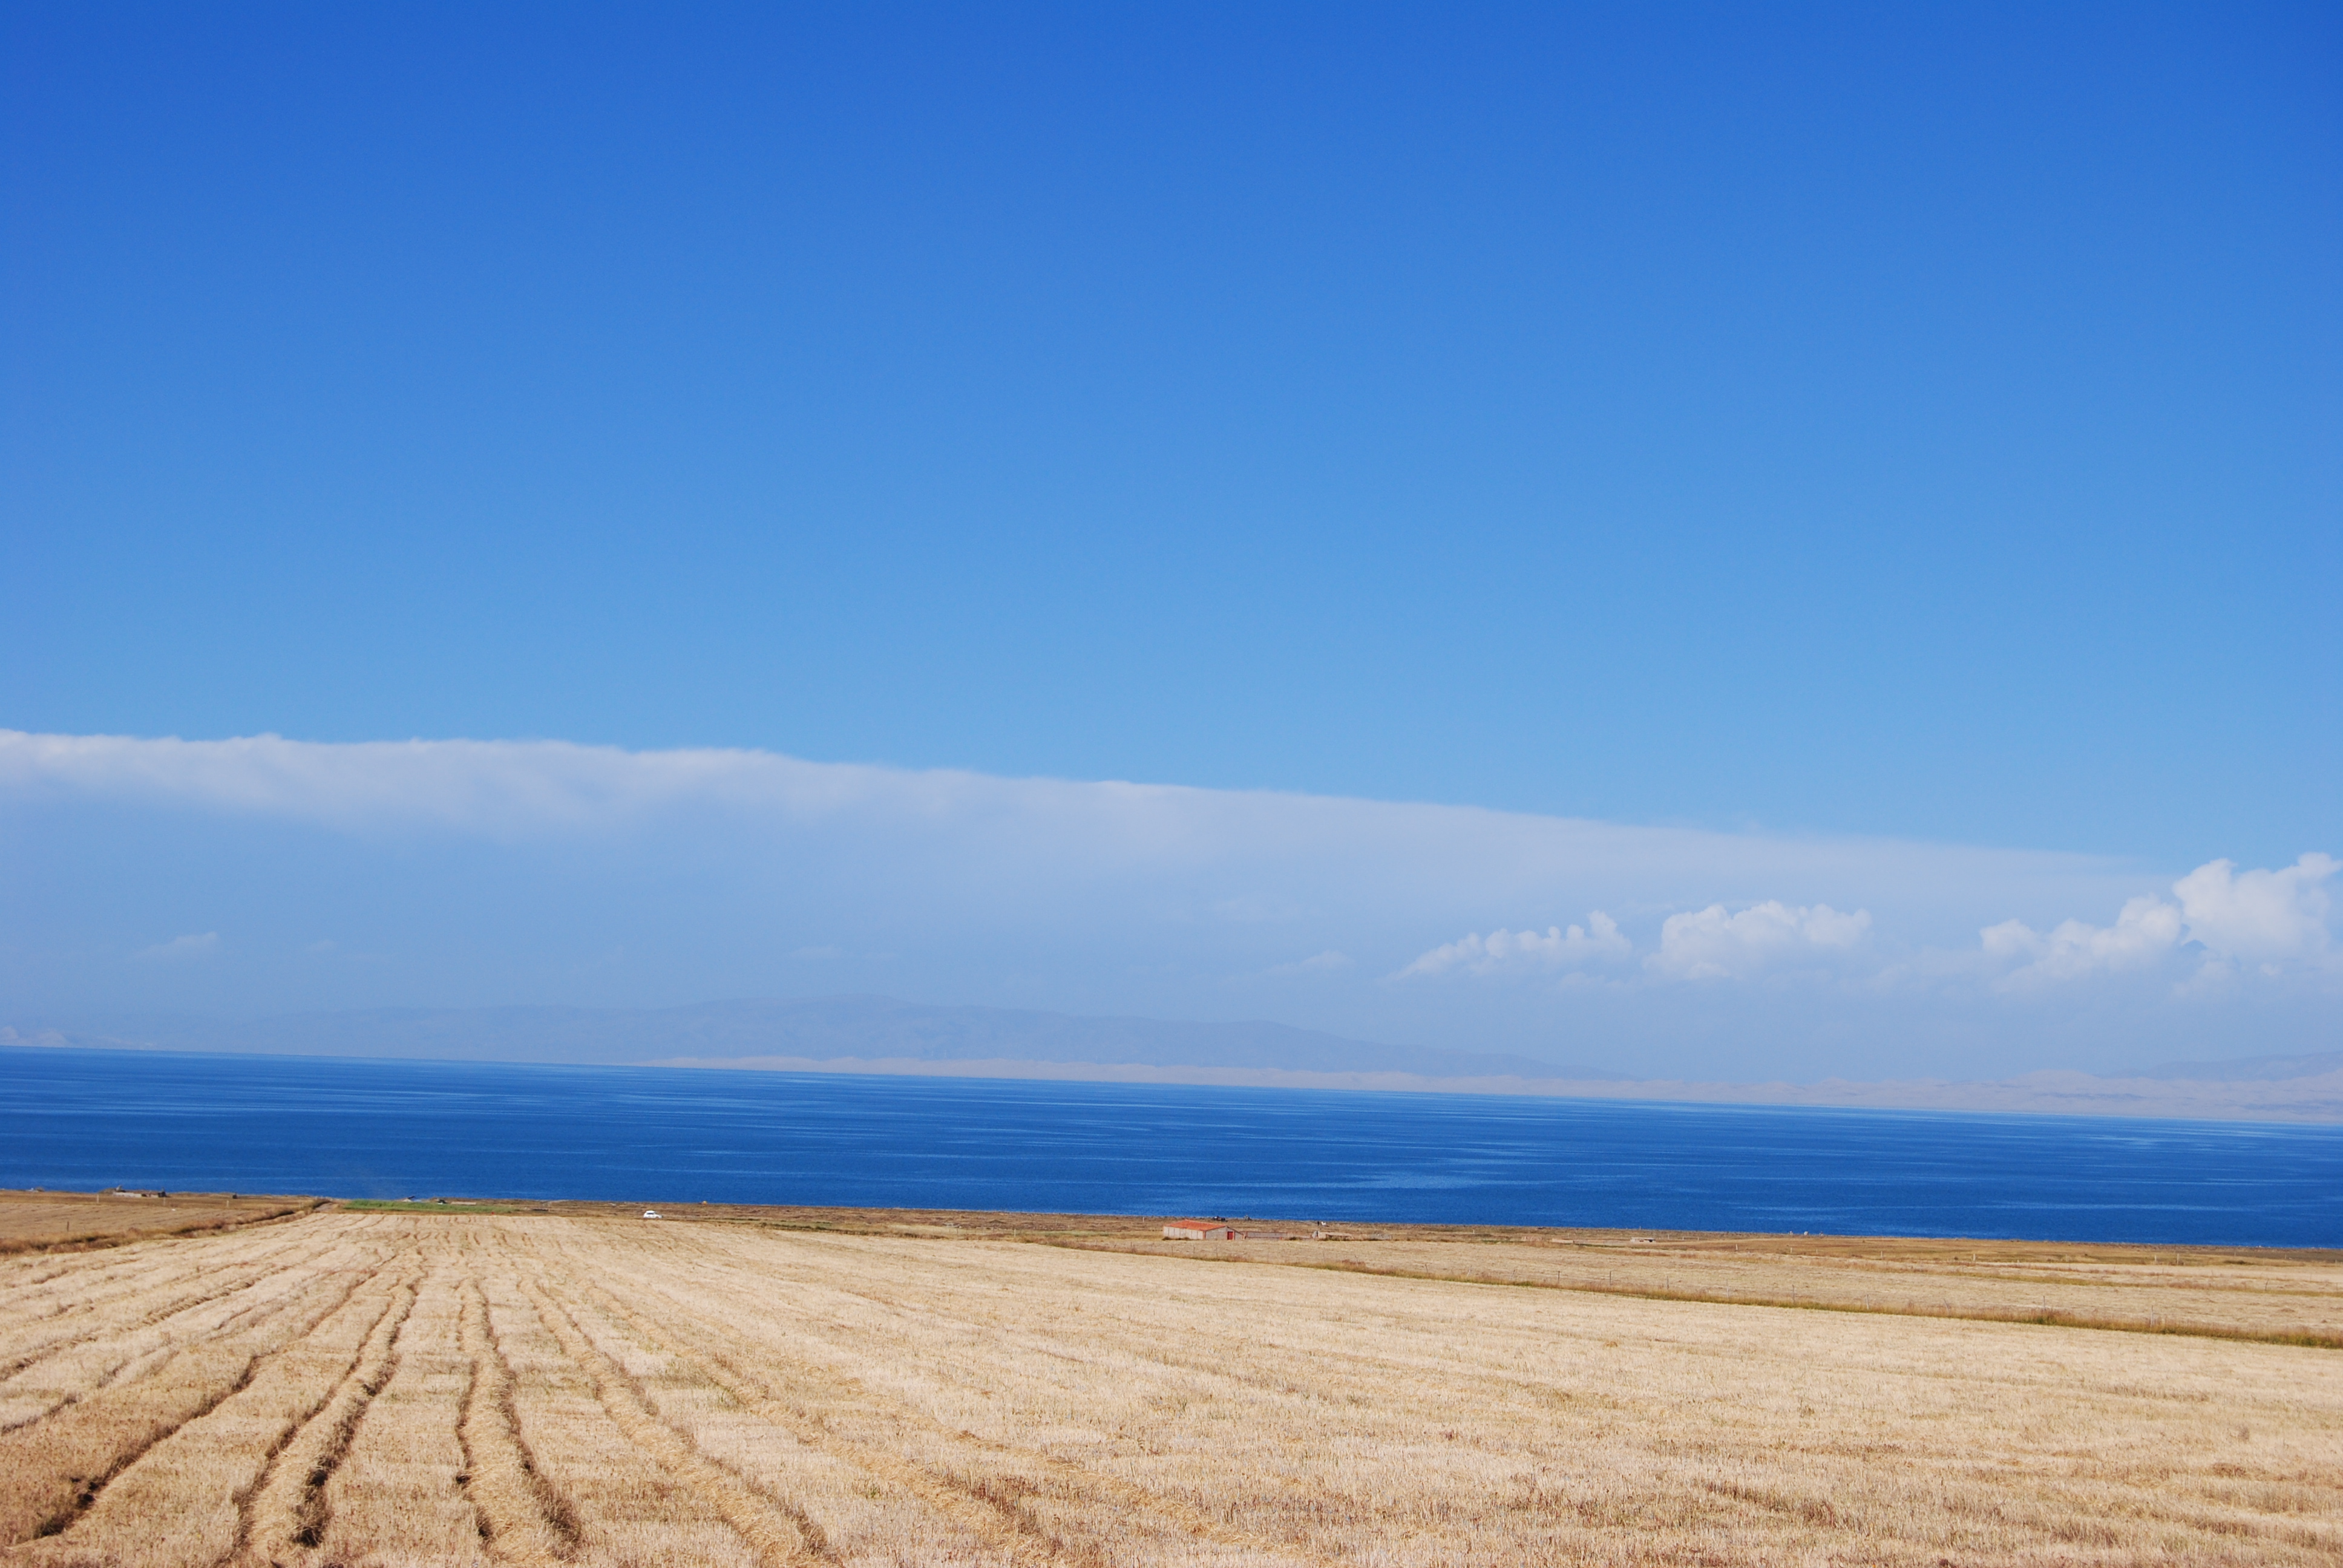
<point>74,1118</point>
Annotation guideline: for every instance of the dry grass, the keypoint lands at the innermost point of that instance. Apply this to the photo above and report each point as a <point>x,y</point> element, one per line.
<point>74,1221</point>
<point>582,1387</point>
<point>2280,1298</point>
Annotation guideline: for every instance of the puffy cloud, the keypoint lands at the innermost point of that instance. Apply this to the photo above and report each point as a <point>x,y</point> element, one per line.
<point>2145,930</point>
<point>1503,951</point>
<point>1710,944</point>
<point>201,945</point>
<point>2262,918</point>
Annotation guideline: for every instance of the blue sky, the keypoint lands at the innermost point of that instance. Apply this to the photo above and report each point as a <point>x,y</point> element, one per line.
<point>1909,425</point>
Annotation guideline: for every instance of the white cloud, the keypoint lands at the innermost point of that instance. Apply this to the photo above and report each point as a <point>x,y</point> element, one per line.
<point>1710,944</point>
<point>2265,917</point>
<point>498,787</point>
<point>1427,860</point>
<point>202,945</point>
<point>1326,963</point>
<point>2145,930</point>
<point>2261,916</point>
<point>497,871</point>
<point>1503,951</point>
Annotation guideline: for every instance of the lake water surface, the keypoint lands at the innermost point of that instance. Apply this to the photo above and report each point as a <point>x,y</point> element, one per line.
<point>78,1118</point>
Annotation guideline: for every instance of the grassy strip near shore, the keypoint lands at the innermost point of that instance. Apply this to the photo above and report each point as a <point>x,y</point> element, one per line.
<point>438,1206</point>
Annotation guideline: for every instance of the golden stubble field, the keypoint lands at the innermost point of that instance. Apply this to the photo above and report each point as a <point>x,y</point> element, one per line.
<point>478,1387</point>
<point>62,1221</point>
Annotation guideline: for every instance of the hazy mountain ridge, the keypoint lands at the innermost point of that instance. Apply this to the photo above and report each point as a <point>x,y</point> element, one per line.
<point>820,1029</point>
<point>875,1035</point>
<point>2245,1069</point>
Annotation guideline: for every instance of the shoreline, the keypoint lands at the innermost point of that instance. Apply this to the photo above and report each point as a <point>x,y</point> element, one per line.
<point>1069,1229</point>
<point>2312,1100</point>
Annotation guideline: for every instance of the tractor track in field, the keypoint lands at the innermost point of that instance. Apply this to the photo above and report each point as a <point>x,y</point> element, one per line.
<point>993,1489</point>
<point>286,1509</point>
<point>31,1349</point>
<point>523,1517</point>
<point>778,1535</point>
<point>83,1448</point>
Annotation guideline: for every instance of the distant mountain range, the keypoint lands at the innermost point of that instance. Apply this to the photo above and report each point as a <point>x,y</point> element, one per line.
<point>874,1035</point>
<point>825,1030</point>
<point>2245,1069</point>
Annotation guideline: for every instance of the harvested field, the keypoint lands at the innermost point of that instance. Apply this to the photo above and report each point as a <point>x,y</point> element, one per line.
<point>57,1221</point>
<point>735,1387</point>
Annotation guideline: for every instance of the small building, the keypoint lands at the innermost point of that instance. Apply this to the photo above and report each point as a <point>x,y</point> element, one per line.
<point>1200,1230</point>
